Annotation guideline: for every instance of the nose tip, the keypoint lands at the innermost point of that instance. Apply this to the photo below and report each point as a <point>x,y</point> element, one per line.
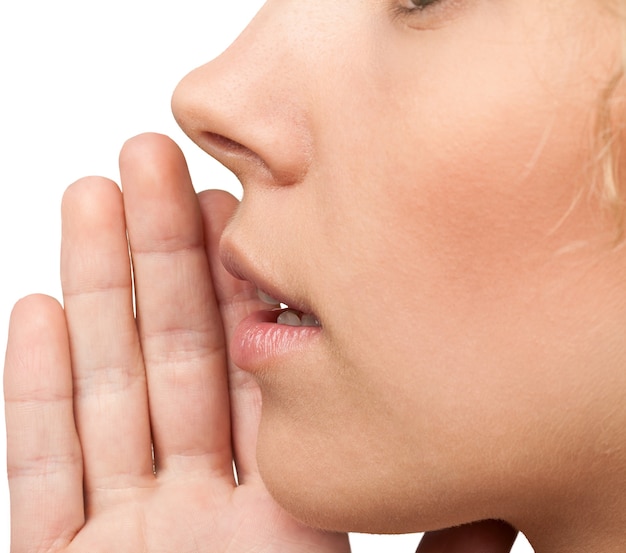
<point>242,109</point>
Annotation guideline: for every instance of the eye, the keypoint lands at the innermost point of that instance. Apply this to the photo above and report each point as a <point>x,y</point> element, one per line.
<point>418,5</point>
<point>428,14</point>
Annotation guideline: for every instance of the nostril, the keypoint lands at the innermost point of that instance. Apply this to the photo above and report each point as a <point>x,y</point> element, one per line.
<point>229,152</point>
<point>220,142</point>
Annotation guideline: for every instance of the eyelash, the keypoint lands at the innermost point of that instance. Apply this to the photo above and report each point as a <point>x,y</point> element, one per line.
<point>429,15</point>
<point>406,7</point>
<point>424,6</point>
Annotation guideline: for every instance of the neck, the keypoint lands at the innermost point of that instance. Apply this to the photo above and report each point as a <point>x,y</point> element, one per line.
<point>581,525</point>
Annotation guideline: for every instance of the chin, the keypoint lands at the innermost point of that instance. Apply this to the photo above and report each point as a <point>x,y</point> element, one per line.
<point>328,491</point>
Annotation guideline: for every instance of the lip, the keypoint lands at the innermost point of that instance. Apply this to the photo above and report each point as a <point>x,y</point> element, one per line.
<point>259,343</point>
<point>241,270</point>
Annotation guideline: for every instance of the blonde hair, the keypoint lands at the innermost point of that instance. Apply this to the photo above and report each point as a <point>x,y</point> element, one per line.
<point>609,129</point>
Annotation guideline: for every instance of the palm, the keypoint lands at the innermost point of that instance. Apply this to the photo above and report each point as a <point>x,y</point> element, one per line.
<point>98,397</point>
<point>197,516</point>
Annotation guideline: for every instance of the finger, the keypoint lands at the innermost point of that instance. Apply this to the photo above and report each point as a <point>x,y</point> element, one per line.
<point>109,380</point>
<point>236,299</point>
<point>179,323</point>
<point>489,536</point>
<point>43,452</point>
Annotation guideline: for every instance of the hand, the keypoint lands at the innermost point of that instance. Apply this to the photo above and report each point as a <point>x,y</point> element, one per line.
<point>90,389</point>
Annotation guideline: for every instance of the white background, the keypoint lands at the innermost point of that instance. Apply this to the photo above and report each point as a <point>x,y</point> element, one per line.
<point>78,78</point>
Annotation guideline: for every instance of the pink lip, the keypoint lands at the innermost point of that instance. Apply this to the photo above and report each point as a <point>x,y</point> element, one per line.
<point>259,342</point>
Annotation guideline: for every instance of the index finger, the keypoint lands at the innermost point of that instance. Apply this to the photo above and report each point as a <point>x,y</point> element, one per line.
<point>236,299</point>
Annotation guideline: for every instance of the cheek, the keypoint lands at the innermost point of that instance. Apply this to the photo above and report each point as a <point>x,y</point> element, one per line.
<point>482,175</point>
<point>456,222</point>
<point>461,286</point>
<point>466,237</point>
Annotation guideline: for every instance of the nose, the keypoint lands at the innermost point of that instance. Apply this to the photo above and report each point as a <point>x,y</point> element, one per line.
<point>248,107</point>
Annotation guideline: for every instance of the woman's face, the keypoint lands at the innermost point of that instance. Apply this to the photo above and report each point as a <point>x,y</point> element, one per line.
<point>420,182</point>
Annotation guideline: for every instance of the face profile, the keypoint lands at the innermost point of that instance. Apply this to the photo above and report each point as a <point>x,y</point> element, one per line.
<point>416,182</point>
<point>419,302</point>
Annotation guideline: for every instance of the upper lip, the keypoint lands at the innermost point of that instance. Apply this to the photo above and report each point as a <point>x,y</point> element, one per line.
<point>241,268</point>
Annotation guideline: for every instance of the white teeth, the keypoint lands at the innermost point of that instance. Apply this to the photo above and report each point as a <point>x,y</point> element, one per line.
<point>309,320</point>
<point>294,318</point>
<point>289,318</point>
<point>266,298</point>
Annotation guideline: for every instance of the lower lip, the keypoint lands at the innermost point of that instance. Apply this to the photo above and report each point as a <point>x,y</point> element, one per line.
<point>258,341</point>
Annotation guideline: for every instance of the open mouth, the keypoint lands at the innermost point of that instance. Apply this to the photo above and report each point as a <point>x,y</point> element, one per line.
<point>286,315</point>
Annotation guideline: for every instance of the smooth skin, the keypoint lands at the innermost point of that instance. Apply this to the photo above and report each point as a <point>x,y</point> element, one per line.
<point>425,184</point>
<point>89,388</point>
